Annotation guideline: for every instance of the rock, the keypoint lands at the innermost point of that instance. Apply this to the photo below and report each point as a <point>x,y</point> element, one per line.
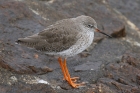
<point>90,90</point>
<point>45,69</point>
<point>26,88</point>
<point>88,66</point>
<point>119,33</point>
<point>84,54</point>
<point>133,19</point>
<point>138,79</point>
<point>65,86</point>
<point>122,76</point>
<point>16,21</point>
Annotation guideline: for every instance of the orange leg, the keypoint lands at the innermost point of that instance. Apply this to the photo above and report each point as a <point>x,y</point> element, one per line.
<point>67,77</point>
<point>62,67</point>
<point>74,79</point>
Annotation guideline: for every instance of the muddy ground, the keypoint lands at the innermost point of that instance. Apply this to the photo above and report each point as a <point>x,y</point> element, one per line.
<point>109,65</point>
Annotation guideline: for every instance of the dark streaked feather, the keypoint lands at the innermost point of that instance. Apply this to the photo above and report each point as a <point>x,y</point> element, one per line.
<point>55,38</point>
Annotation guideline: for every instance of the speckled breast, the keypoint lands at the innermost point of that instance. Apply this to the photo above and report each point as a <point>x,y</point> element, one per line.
<point>84,41</point>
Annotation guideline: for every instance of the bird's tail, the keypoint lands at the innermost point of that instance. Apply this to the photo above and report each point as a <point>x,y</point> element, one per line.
<point>29,42</point>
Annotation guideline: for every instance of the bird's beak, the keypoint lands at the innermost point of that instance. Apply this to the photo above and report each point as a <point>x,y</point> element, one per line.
<point>97,30</point>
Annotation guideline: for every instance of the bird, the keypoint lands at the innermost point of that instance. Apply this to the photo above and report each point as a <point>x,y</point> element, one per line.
<point>65,38</point>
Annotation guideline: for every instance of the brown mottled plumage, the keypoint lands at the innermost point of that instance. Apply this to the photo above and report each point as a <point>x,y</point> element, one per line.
<point>55,38</point>
<point>65,38</point>
<point>59,36</point>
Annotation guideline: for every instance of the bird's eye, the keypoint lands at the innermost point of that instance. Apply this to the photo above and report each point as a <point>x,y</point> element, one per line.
<point>90,25</point>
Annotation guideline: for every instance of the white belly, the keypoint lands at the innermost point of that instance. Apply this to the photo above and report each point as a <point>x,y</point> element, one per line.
<point>84,41</point>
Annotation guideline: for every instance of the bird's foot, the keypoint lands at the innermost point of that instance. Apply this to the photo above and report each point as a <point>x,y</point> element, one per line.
<point>72,82</point>
<point>74,79</point>
<point>76,85</point>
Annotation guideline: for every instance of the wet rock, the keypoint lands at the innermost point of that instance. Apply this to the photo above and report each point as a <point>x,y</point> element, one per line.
<point>98,39</point>
<point>16,21</point>
<point>26,88</point>
<point>3,89</point>
<point>132,59</point>
<point>65,86</point>
<point>119,33</point>
<point>88,66</point>
<point>90,90</point>
<point>102,88</point>
<point>122,76</point>
<point>84,54</point>
<point>128,9</point>
<point>46,69</point>
<point>138,79</point>
<point>107,22</point>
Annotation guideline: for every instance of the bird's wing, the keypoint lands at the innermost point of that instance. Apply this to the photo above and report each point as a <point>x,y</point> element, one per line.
<point>53,39</point>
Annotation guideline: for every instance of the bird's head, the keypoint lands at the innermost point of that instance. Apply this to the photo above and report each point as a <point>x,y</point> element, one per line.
<point>90,23</point>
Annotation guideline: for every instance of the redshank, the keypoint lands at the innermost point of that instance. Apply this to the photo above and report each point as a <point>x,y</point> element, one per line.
<point>65,38</point>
